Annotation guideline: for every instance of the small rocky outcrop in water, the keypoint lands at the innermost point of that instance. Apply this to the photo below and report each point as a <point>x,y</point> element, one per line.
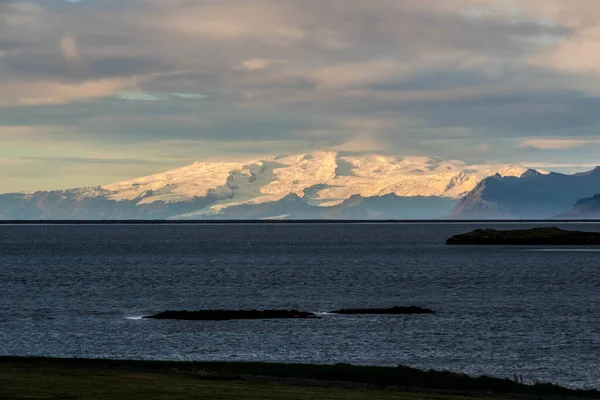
<point>385,311</point>
<point>536,236</point>
<point>226,315</point>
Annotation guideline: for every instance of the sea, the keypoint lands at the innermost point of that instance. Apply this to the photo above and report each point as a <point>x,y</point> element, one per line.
<point>531,312</point>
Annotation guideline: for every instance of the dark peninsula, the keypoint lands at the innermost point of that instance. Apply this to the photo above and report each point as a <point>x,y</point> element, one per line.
<point>227,315</point>
<point>545,236</point>
<point>385,311</point>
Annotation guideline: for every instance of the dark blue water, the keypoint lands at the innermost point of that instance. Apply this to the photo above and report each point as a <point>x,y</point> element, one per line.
<point>77,290</point>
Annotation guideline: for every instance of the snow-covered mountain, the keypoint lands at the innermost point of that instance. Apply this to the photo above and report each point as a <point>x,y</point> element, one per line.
<point>320,178</point>
<point>209,189</point>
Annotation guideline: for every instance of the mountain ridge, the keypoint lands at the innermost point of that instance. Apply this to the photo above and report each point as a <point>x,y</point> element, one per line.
<point>531,196</point>
<point>319,181</point>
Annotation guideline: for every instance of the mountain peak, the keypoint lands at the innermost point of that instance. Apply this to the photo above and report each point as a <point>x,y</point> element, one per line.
<point>530,173</point>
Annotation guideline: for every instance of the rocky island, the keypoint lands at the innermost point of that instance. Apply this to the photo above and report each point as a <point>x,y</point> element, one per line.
<point>545,236</point>
<point>227,315</point>
<point>385,311</point>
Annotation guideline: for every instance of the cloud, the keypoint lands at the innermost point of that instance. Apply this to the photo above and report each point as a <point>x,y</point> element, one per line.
<point>93,160</point>
<point>558,144</point>
<point>45,92</point>
<point>229,21</point>
<point>188,96</point>
<point>580,53</point>
<point>149,96</point>
<point>362,143</point>
<point>25,7</point>
<point>138,95</point>
<point>69,49</point>
<point>573,53</point>
<point>566,168</point>
<point>254,64</point>
<point>473,79</point>
<point>357,75</point>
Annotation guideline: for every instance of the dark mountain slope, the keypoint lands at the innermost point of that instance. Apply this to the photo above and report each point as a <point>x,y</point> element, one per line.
<point>588,208</point>
<point>533,195</point>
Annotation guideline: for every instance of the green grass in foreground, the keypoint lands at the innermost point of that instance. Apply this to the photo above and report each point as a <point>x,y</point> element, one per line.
<point>49,378</point>
<point>60,383</point>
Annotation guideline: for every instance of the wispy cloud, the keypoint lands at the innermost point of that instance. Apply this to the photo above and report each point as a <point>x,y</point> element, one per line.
<point>93,160</point>
<point>39,93</point>
<point>149,96</point>
<point>558,144</point>
<point>138,95</point>
<point>189,96</point>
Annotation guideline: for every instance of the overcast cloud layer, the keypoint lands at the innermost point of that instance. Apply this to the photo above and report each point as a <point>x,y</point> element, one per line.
<point>94,91</point>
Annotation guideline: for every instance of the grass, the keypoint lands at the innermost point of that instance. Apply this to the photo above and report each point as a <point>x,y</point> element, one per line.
<point>48,383</point>
<point>45,378</point>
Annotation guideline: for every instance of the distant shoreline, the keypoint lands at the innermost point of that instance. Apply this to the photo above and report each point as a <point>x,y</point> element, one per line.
<point>289,222</point>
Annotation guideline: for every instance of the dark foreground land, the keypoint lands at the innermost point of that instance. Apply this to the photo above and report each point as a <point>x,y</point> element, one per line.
<point>546,236</point>
<point>51,378</point>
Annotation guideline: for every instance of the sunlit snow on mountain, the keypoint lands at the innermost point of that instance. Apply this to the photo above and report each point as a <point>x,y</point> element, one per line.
<point>320,178</point>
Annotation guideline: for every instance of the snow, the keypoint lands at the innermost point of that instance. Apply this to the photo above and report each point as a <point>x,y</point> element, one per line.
<point>321,178</point>
<point>176,185</point>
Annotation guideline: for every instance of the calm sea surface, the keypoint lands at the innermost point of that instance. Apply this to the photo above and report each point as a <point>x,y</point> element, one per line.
<point>80,290</point>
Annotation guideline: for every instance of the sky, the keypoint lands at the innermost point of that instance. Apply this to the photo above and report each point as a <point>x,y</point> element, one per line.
<point>97,91</point>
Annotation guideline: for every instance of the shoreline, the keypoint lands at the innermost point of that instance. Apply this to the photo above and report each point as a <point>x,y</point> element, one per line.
<point>339,377</point>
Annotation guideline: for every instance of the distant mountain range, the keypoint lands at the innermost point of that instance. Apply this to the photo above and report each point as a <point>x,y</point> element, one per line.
<point>318,185</point>
<point>533,195</point>
<point>324,185</point>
